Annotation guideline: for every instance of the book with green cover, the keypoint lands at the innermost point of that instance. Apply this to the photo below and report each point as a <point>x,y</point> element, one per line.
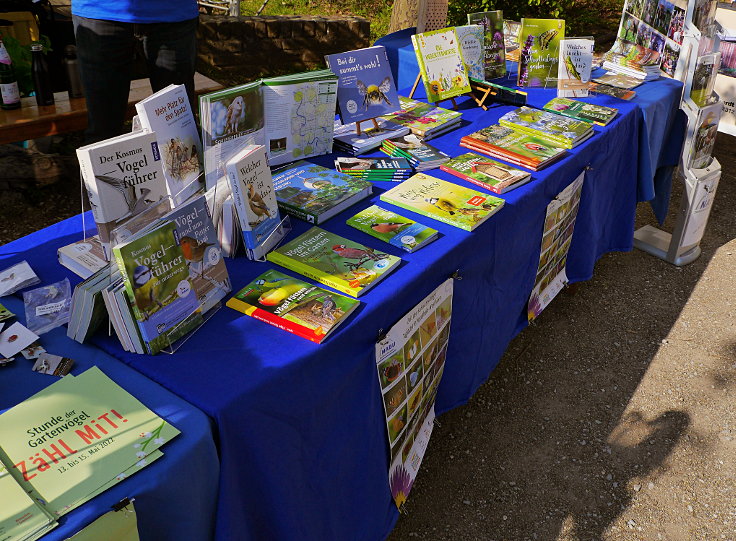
<point>293,305</point>
<point>512,146</point>
<point>20,516</point>
<point>334,261</point>
<point>443,201</point>
<point>441,64</point>
<point>613,91</point>
<point>540,44</point>
<point>494,49</point>
<point>471,44</point>
<point>556,129</point>
<point>486,173</point>
<point>423,119</point>
<point>393,228</point>
<point>598,114</point>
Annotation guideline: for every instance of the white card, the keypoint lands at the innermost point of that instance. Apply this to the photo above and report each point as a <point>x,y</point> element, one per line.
<point>15,338</point>
<point>17,277</point>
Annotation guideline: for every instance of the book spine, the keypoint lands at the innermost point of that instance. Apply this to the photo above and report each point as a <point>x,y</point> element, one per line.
<point>470,179</point>
<point>497,152</point>
<point>300,213</point>
<point>552,139</point>
<point>315,274</point>
<point>273,320</point>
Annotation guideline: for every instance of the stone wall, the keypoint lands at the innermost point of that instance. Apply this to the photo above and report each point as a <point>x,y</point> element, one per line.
<point>238,49</point>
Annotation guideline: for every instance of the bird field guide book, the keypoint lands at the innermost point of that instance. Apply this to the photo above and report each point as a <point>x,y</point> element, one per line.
<point>123,176</point>
<point>83,257</point>
<point>494,49</point>
<point>556,129</point>
<point>156,277</point>
<point>494,176</point>
<point>515,147</point>
<point>410,361</point>
<point>386,169</point>
<point>365,85</point>
<point>315,193</point>
<point>255,200</point>
<point>441,64</point>
<point>167,113</point>
<point>443,201</point>
<point>393,228</point>
<point>424,119</point>
<point>421,155</point>
<point>613,91</point>
<point>539,55</point>
<point>574,66</point>
<point>78,437</point>
<point>337,262</point>
<point>293,305</point>
<point>471,44</point>
<point>589,112</point>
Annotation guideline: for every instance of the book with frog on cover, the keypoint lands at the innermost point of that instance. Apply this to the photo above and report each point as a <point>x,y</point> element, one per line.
<point>540,44</point>
<point>441,64</point>
<point>393,228</point>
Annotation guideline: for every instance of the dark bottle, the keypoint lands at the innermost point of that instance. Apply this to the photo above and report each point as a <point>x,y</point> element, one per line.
<point>41,76</point>
<point>72,72</point>
<point>9,93</point>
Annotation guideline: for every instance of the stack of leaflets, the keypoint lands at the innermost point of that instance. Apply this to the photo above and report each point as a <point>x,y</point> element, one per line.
<point>393,228</point>
<point>334,261</point>
<point>293,305</point>
<point>348,140</point>
<point>423,119</point>
<point>84,257</point>
<point>597,114</point>
<point>555,129</point>
<point>315,193</point>
<point>613,91</point>
<point>420,155</point>
<point>443,201</point>
<point>394,169</point>
<point>494,176</point>
<point>86,435</point>
<point>618,80</point>
<point>633,60</point>
<point>515,147</point>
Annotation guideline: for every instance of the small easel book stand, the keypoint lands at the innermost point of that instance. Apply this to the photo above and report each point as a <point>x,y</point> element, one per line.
<point>357,124</point>
<point>414,89</point>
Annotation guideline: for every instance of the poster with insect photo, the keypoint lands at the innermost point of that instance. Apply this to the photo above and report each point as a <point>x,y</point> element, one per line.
<point>559,225</point>
<point>410,362</point>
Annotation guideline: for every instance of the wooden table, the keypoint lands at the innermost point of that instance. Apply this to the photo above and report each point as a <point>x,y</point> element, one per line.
<point>66,115</point>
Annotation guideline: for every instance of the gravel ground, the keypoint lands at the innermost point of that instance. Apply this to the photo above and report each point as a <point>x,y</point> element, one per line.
<point>611,418</point>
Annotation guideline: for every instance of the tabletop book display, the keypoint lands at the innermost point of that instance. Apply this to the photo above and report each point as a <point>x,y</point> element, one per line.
<point>540,44</point>
<point>441,64</point>
<point>519,148</point>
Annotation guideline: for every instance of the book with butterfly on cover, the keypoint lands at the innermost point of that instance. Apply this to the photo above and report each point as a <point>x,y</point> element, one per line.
<point>441,64</point>
<point>597,114</point>
<point>557,129</point>
<point>540,44</point>
<point>573,69</point>
<point>494,50</point>
<point>494,176</point>
<point>424,119</point>
<point>365,85</point>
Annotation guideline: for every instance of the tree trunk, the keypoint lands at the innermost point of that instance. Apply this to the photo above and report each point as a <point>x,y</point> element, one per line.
<point>404,14</point>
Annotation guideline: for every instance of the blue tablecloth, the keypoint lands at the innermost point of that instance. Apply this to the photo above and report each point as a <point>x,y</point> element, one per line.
<point>176,496</point>
<point>300,426</point>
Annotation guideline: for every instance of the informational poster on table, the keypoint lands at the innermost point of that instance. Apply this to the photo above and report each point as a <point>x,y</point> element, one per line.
<point>410,361</point>
<point>558,229</point>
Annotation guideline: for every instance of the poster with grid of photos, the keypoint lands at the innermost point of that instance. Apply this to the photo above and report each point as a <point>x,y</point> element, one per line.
<point>410,360</point>
<point>559,225</point>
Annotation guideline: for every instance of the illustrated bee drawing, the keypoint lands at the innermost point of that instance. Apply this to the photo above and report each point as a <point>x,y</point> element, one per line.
<point>374,94</point>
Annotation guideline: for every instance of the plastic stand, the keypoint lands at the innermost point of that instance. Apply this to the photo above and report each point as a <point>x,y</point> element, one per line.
<point>357,124</point>
<point>174,346</point>
<point>275,238</point>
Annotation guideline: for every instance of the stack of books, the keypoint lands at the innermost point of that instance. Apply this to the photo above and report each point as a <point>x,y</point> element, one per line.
<point>494,176</point>
<point>393,169</point>
<point>423,119</point>
<point>556,129</point>
<point>421,156</point>
<point>633,60</point>
<point>513,146</point>
<point>346,137</point>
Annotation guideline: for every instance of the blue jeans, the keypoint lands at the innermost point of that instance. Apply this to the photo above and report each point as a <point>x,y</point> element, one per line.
<point>105,50</point>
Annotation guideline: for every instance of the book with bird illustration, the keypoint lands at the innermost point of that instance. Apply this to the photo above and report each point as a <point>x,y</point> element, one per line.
<point>293,305</point>
<point>493,44</point>
<point>494,176</point>
<point>315,193</point>
<point>597,114</point>
<point>443,201</point>
<point>365,85</point>
<point>337,262</point>
<point>573,68</point>
<point>255,200</point>
<point>554,128</point>
<point>157,283</point>
<point>513,146</point>
<point>124,177</point>
<point>393,228</point>
<point>441,64</point>
<point>539,42</point>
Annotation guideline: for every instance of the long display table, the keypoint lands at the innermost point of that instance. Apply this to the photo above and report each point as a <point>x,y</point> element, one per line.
<point>300,426</point>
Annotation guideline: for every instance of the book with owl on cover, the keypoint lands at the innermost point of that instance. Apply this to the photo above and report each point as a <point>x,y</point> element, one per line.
<point>540,44</point>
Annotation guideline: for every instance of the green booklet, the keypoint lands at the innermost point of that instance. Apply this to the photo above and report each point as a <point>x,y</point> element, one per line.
<point>598,114</point>
<point>77,437</point>
<point>494,49</point>
<point>441,64</point>
<point>443,201</point>
<point>540,45</point>
<point>337,262</point>
<point>21,517</point>
<point>494,176</point>
<point>393,228</point>
<point>556,129</point>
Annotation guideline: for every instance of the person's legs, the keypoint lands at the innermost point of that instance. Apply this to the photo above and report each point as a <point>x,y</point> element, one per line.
<point>105,50</point>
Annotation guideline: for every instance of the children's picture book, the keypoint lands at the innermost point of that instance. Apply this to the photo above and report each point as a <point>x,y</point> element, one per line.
<point>471,44</point>
<point>613,91</point>
<point>168,114</point>
<point>124,177</point>
<point>424,119</point>
<point>293,305</point>
<point>255,200</point>
<point>559,225</point>
<point>489,174</point>
<point>441,64</point>
<point>704,78</point>
<point>574,66</point>
<point>410,361</point>
<point>556,129</point>
<point>494,45</point>
<point>337,262</point>
<point>512,146</point>
<point>539,55</point>
<point>618,80</point>
<point>393,228</point>
<point>598,114</point>
<point>365,85</point>
<point>443,201</point>
<point>315,193</point>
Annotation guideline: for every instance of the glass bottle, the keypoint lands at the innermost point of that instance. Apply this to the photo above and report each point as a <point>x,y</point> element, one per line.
<point>72,72</point>
<point>41,76</point>
<point>10,95</point>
